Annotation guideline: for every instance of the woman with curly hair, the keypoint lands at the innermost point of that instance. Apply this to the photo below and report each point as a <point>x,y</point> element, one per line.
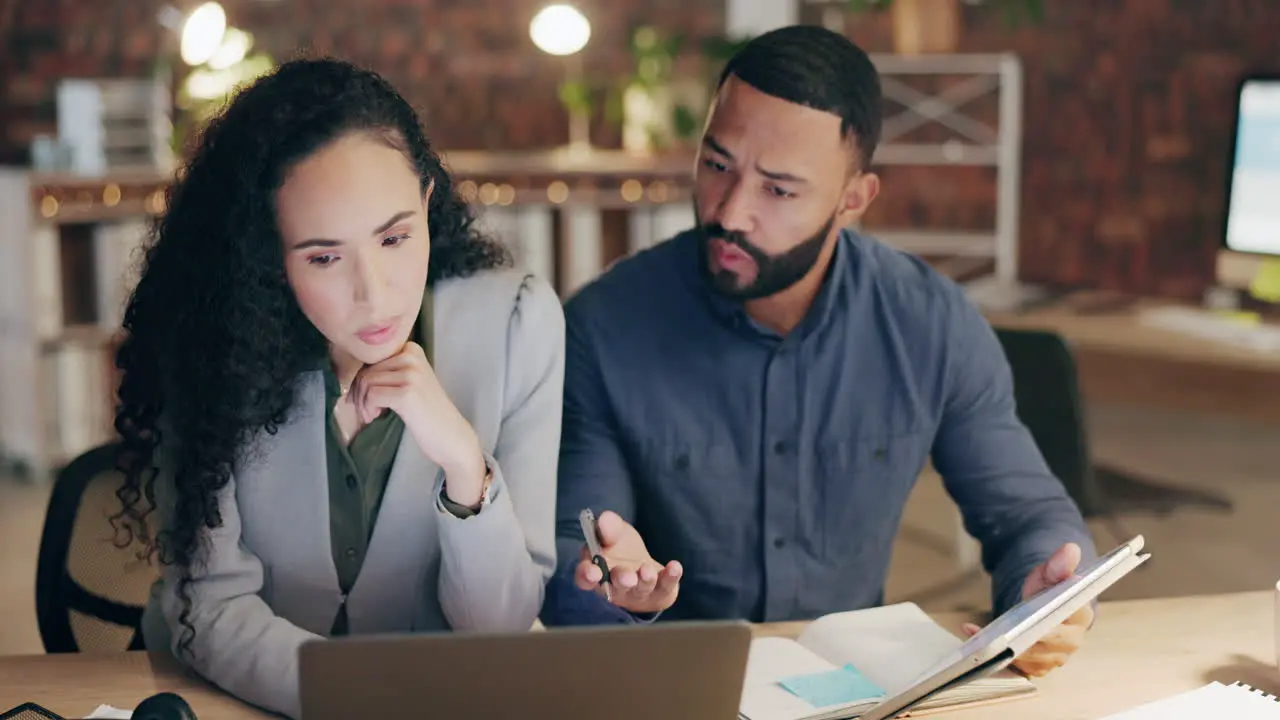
<point>314,470</point>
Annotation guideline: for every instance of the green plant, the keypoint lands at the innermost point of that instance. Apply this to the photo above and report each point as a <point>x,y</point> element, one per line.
<point>576,96</point>
<point>1014,11</point>
<point>655,57</point>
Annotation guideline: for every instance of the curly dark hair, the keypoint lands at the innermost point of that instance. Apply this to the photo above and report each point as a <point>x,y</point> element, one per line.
<point>213,336</point>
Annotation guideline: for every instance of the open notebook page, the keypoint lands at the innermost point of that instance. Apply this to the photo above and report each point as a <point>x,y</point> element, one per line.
<point>771,660</point>
<point>892,645</point>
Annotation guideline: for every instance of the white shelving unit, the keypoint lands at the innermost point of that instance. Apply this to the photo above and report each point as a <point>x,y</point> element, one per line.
<point>976,142</point>
<point>56,393</point>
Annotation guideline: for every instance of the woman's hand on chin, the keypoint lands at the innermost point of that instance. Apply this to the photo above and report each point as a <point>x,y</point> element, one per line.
<point>406,384</point>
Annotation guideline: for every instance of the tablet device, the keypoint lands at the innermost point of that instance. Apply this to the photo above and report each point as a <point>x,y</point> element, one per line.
<point>1016,630</point>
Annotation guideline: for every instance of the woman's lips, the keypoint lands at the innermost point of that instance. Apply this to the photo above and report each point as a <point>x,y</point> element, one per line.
<point>377,334</point>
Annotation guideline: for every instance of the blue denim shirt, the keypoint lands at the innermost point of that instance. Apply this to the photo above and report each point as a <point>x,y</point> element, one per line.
<point>776,469</point>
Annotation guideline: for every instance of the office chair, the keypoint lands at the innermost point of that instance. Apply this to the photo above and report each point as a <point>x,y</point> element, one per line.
<point>1049,404</point>
<point>89,592</point>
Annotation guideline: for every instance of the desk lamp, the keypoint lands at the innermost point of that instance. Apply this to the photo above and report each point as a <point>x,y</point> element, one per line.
<point>562,30</point>
<point>201,31</point>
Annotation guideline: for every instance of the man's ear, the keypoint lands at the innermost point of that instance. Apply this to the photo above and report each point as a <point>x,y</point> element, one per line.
<point>859,192</point>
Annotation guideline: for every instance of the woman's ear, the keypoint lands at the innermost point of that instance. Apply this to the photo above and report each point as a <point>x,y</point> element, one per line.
<point>426,196</point>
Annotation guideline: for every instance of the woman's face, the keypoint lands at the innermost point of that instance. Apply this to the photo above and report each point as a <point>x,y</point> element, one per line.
<point>354,225</point>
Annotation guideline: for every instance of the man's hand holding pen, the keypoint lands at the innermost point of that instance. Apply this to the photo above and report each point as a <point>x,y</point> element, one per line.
<point>636,582</point>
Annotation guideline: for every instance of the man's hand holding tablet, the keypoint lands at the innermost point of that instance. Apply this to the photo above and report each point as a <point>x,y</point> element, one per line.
<point>1053,650</point>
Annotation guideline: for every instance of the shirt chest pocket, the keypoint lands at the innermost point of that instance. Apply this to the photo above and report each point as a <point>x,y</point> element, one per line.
<point>864,485</point>
<point>694,501</point>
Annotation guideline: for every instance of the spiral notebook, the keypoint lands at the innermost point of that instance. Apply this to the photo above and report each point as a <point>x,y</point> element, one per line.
<point>1215,700</point>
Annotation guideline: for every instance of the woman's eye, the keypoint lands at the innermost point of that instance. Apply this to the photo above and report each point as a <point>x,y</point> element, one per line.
<point>394,240</point>
<point>322,260</point>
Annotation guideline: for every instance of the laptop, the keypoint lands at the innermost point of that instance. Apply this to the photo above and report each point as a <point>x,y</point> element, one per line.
<point>677,671</point>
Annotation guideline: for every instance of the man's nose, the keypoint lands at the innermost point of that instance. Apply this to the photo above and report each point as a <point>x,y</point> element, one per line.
<point>735,211</point>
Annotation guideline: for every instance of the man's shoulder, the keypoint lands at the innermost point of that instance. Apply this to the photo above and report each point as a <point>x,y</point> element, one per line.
<point>635,285</point>
<point>907,282</point>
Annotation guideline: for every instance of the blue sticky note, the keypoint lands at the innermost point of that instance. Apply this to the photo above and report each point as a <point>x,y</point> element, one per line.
<point>836,687</point>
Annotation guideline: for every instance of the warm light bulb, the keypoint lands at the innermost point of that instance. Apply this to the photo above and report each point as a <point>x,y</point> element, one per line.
<point>560,30</point>
<point>234,48</point>
<point>202,33</point>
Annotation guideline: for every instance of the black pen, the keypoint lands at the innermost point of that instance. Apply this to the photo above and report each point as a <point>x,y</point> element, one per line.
<point>589,531</point>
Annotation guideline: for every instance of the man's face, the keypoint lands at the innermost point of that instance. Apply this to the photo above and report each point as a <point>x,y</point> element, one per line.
<point>774,181</point>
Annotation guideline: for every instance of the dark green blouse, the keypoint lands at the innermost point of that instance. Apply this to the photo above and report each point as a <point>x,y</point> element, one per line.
<point>358,474</point>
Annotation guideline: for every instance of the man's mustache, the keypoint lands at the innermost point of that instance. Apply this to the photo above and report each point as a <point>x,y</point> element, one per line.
<point>717,231</point>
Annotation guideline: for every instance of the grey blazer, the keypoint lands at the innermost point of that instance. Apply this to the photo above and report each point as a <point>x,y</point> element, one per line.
<point>269,584</point>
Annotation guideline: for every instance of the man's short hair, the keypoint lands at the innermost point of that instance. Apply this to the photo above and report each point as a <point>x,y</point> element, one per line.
<point>818,68</point>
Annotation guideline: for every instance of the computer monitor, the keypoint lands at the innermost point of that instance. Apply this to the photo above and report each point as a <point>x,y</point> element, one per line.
<point>1253,176</point>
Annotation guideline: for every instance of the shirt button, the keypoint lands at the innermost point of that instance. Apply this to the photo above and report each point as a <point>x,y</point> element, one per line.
<point>351,481</point>
<point>351,553</point>
<point>780,447</point>
<point>779,543</point>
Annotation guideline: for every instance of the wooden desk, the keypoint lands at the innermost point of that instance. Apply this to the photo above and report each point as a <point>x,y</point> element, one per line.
<point>1139,650</point>
<point>1121,360</point>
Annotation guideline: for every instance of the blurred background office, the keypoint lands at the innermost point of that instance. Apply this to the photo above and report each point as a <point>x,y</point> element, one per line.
<point>1095,172</point>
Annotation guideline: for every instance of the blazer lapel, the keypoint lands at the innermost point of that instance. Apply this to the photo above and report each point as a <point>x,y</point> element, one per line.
<point>283,496</point>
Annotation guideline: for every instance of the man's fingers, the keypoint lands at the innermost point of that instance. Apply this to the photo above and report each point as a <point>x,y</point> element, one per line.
<point>1062,564</point>
<point>1082,617</point>
<point>969,629</point>
<point>1040,664</point>
<point>646,581</point>
<point>611,528</point>
<point>587,576</point>
<point>669,578</point>
<point>1059,641</point>
<point>623,578</point>
<point>649,574</point>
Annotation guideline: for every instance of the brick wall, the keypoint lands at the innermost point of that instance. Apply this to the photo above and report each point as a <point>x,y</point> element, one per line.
<point>1128,104</point>
<point>1128,119</point>
<point>468,65</point>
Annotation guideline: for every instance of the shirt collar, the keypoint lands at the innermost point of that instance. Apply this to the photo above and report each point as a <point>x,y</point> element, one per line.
<point>732,312</point>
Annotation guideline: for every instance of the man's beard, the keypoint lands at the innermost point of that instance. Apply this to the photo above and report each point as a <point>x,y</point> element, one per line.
<point>774,273</point>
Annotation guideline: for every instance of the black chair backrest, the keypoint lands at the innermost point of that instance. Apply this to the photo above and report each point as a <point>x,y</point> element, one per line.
<point>29,711</point>
<point>161,706</point>
<point>1048,398</point>
<point>89,591</point>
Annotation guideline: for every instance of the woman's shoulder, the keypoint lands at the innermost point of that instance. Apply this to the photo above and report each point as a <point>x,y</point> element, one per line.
<point>500,299</point>
<point>499,337</point>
